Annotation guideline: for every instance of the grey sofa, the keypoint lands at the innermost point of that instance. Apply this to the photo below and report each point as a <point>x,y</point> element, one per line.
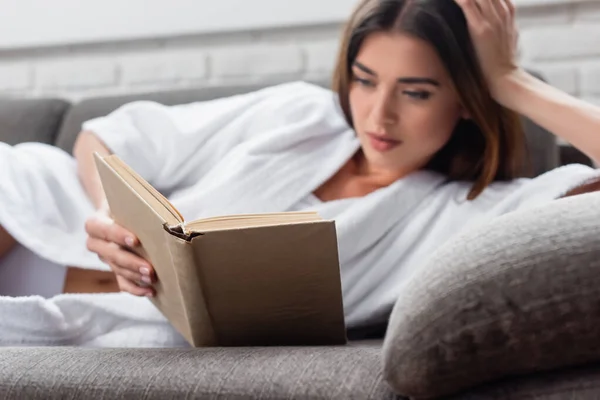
<point>364,369</point>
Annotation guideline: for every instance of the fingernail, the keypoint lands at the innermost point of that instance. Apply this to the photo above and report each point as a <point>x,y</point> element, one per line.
<point>145,271</point>
<point>129,241</point>
<point>146,279</point>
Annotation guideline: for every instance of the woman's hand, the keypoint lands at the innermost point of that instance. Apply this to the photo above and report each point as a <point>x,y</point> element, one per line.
<point>494,35</point>
<point>113,244</point>
<point>492,27</point>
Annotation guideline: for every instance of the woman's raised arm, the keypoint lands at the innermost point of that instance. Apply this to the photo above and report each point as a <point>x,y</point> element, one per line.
<point>494,35</point>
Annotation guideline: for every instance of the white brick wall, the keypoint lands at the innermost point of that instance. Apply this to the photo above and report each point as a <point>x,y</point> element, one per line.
<point>76,73</point>
<point>321,57</point>
<point>561,40</point>
<point>164,67</point>
<point>257,61</point>
<point>563,43</point>
<point>15,76</point>
<point>96,70</point>
<point>590,80</point>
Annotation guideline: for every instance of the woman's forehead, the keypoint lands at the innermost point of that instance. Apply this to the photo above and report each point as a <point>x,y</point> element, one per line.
<point>397,54</point>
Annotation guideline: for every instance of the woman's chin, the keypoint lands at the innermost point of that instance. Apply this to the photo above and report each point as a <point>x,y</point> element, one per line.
<point>395,162</point>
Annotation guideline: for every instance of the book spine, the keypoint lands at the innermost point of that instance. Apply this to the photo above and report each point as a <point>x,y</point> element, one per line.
<point>192,294</point>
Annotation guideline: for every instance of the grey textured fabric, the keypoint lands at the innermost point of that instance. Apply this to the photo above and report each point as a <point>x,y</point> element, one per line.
<point>572,384</point>
<point>347,372</point>
<point>30,120</point>
<point>516,295</point>
<point>97,107</point>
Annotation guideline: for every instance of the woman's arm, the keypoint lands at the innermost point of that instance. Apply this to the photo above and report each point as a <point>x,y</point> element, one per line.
<point>572,119</point>
<point>109,240</point>
<point>494,35</point>
<point>85,147</point>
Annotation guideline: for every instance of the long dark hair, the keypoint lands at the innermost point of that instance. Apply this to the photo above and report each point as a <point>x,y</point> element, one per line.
<point>488,147</point>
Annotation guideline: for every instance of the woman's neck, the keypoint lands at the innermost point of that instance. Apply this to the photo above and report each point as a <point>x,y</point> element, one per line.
<point>356,178</point>
<point>377,176</point>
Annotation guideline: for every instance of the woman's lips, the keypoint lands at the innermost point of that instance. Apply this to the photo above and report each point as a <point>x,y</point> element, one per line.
<point>382,143</point>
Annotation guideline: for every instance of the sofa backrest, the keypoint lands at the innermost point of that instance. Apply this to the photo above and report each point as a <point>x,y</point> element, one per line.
<point>31,120</point>
<point>40,119</point>
<point>96,107</point>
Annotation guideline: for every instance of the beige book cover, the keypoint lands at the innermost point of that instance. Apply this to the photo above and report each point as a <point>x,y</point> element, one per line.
<point>237,280</point>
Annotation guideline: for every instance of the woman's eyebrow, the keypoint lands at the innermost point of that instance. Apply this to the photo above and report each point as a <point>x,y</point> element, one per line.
<point>364,69</point>
<point>408,79</point>
<point>415,79</point>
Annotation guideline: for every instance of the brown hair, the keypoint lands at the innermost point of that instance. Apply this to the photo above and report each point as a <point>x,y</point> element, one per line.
<point>490,146</point>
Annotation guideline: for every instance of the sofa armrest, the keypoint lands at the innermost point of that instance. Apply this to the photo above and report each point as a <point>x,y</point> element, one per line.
<point>53,373</point>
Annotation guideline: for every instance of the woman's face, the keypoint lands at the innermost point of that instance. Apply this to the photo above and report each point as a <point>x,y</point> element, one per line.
<point>403,104</point>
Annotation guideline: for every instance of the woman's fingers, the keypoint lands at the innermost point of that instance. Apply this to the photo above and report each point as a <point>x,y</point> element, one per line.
<point>504,13</point>
<point>112,253</point>
<point>490,12</point>
<point>493,35</point>
<point>134,274</point>
<point>135,279</point>
<point>508,31</point>
<point>111,242</point>
<point>482,14</point>
<point>510,9</point>
<point>105,228</point>
<point>130,287</point>
<point>472,13</point>
<point>130,275</point>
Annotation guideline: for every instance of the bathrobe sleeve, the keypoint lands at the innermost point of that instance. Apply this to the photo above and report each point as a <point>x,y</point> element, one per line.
<point>527,193</point>
<point>169,145</point>
<point>504,197</point>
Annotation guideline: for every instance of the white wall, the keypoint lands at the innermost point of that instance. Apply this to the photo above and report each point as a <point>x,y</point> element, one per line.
<point>563,42</point>
<point>27,23</point>
<point>561,39</point>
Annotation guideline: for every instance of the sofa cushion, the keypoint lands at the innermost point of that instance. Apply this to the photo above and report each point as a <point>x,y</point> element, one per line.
<point>30,120</point>
<point>346,372</point>
<point>572,383</point>
<point>512,296</point>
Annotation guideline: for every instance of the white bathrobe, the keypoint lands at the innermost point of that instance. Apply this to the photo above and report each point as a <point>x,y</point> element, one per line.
<point>258,152</point>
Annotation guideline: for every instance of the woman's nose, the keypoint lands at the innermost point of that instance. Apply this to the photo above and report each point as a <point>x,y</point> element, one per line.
<point>384,112</point>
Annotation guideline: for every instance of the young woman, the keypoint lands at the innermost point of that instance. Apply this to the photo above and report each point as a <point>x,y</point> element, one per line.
<point>419,139</point>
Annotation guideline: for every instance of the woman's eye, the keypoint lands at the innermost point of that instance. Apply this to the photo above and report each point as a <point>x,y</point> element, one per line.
<point>418,95</point>
<point>364,82</point>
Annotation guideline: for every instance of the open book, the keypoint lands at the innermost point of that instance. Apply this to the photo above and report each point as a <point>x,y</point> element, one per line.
<point>238,280</point>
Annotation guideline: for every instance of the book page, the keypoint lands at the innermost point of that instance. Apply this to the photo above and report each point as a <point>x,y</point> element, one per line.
<point>144,189</point>
<point>252,220</point>
<point>173,218</point>
<point>135,209</point>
